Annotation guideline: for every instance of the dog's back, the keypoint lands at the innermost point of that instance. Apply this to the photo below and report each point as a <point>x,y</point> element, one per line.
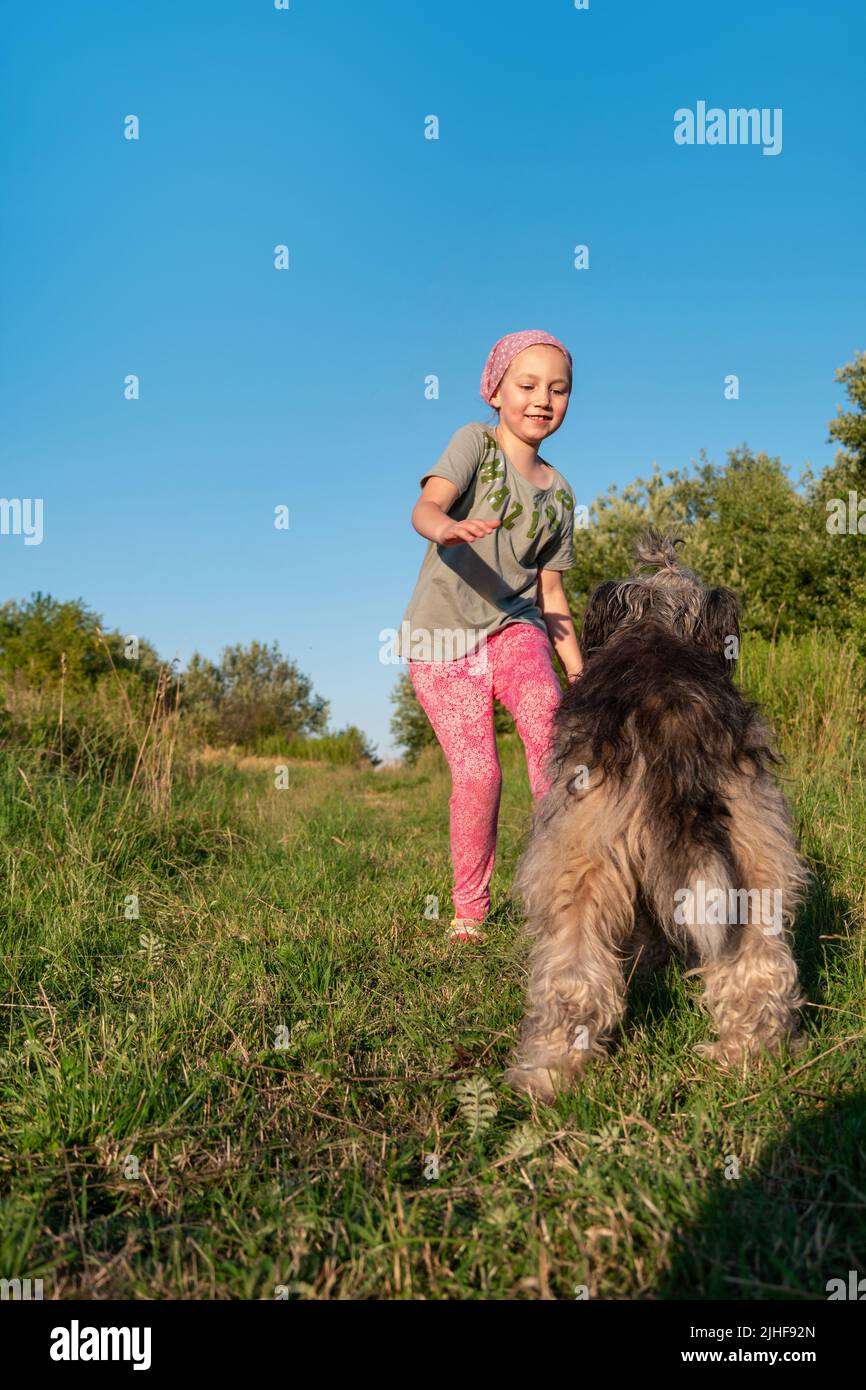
<point>653,702</point>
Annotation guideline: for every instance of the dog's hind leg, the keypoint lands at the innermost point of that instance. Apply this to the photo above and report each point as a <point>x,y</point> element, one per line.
<point>580,911</point>
<point>752,989</point>
<point>647,949</point>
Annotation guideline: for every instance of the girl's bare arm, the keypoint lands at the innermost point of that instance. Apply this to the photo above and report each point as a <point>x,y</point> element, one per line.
<point>430,516</point>
<point>557,618</point>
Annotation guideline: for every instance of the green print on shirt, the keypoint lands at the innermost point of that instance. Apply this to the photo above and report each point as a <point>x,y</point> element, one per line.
<point>491,470</point>
<point>508,521</point>
<point>561,496</point>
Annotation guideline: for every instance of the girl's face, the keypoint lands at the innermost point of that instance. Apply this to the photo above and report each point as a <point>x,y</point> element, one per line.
<point>533,395</point>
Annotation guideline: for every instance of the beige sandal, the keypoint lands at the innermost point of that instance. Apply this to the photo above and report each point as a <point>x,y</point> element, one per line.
<point>465,929</point>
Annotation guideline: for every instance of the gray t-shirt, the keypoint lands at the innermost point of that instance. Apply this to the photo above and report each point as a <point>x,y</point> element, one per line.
<point>472,590</point>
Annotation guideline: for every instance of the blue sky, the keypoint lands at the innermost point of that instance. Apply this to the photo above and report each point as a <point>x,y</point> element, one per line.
<point>408,257</point>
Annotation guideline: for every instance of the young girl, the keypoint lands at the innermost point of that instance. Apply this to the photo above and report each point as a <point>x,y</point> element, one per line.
<point>499,521</point>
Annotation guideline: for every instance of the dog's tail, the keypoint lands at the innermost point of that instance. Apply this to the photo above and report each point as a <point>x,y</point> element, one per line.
<point>658,549</point>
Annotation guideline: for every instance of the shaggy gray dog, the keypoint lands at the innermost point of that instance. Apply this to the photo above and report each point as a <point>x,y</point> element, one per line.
<point>663,827</point>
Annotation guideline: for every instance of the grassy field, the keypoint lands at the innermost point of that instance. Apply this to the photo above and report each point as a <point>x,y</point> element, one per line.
<point>280,1080</point>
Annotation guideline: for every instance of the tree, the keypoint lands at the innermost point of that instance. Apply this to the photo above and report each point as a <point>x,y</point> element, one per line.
<point>849,427</point>
<point>841,603</point>
<point>253,692</point>
<point>744,523</point>
<point>35,635</point>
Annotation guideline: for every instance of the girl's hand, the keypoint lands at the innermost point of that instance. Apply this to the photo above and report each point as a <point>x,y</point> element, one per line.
<point>460,532</point>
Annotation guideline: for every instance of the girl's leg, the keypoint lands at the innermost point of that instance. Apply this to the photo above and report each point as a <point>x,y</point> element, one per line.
<point>458,701</point>
<point>525,682</point>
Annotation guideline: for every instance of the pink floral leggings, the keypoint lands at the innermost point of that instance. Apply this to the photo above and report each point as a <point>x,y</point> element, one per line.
<point>457,697</point>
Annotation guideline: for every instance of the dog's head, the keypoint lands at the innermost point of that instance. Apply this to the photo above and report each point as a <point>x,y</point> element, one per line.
<point>670,596</point>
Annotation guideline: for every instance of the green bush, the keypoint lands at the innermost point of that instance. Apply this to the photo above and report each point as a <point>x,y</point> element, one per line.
<point>347,747</point>
<point>253,693</point>
<point>749,526</point>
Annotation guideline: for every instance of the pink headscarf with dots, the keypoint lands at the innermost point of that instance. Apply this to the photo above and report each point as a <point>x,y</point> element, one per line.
<point>504,352</point>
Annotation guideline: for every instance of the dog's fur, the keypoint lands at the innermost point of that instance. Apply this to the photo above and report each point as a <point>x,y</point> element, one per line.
<point>678,788</point>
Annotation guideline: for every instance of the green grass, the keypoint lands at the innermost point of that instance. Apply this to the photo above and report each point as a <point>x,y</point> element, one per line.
<point>285,1051</point>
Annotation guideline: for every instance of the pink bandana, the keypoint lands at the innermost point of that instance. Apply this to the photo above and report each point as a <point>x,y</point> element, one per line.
<point>504,352</point>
